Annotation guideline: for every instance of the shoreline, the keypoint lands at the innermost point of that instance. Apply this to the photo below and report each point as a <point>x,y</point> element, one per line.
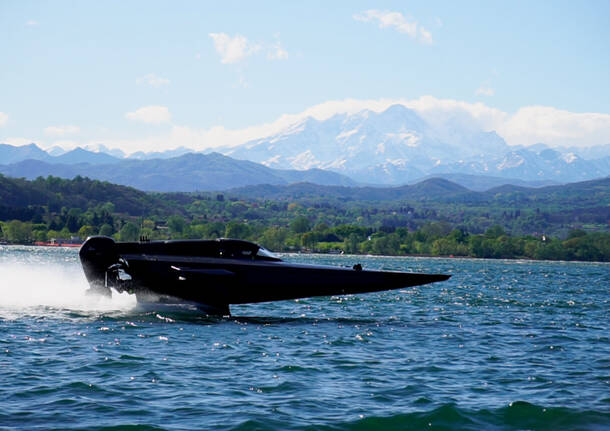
<point>309,253</point>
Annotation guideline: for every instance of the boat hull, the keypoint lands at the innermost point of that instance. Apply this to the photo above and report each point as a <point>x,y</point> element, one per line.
<point>235,282</point>
<point>155,274</point>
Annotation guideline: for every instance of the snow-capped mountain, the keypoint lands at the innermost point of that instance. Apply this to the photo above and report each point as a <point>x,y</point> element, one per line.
<point>101,148</point>
<point>177,152</point>
<point>530,165</point>
<point>395,140</point>
<point>397,145</point>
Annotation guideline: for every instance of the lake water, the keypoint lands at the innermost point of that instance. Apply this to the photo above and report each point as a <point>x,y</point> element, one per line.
<point>502,345</point>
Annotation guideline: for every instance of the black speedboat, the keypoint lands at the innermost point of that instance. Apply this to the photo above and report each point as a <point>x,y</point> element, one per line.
<point>216,273</point>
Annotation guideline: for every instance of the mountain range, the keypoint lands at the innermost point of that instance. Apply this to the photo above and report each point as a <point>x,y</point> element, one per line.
<point>192,171</point>
<point>397,146</point>
<point>393,147</point>
<point>187,173</point>
<point>10,154</point>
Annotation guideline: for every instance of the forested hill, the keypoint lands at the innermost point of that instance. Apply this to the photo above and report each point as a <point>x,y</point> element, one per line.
<point>584,193</point>
<point>84,193</point>
<point>430,189</point>
<point>581,194</point>
<point>55,193</point>
<point>434,217</point>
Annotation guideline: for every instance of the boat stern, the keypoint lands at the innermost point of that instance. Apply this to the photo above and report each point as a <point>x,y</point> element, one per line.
<point>97,255</point>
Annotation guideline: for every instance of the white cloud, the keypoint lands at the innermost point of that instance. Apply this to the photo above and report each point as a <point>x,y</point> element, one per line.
<point>3,119</point>
<point>241,82</point>
<point>527,126</point>
<point>276,52</point>
<point>485,90</point>
<point>31,23</point>
<point>233,49</point>
<point>398,22</point>
<point>65,145</point>
<point>556,127</point>
<point>61,130</point>
<point>468,115</point>
<point>219,136</point>
<point>424,35</point>
<point>237,48</point>
<point>152,80</point>
<point>150,114</point>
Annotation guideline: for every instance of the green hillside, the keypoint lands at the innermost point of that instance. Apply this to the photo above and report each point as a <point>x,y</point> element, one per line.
<point>54,193</point>
<point>434,217</point>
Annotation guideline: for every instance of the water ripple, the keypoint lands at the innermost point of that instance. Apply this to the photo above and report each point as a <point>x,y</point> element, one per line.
<point>502,345</point>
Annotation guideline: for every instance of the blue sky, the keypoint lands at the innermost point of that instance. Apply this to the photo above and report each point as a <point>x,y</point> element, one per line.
<point>150,74</point>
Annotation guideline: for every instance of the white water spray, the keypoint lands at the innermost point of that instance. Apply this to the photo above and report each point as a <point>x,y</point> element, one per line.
<point>57,286</point>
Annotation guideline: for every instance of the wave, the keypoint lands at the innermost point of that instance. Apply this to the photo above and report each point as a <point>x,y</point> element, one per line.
<point>518,415</point>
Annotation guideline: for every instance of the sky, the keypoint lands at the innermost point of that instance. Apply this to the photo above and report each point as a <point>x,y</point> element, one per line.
<point>154,75</point>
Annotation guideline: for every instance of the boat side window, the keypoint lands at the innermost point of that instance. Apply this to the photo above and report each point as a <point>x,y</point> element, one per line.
<point>245,254</point>
<point>236,254</point>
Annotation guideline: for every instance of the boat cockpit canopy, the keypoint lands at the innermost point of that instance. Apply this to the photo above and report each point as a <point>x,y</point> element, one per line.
<point>219,248</point>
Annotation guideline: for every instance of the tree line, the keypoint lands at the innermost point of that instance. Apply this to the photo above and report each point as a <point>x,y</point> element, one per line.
<point>50,208</point>
<point>432,239</point>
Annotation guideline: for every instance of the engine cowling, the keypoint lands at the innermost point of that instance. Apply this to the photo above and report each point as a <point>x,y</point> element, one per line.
<point>97,255</point>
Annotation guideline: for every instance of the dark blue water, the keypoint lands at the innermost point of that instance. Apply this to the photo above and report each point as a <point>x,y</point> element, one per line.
<point>503,345</point>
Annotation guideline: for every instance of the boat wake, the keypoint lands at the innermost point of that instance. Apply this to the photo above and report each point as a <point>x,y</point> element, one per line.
<point>37,290</point>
